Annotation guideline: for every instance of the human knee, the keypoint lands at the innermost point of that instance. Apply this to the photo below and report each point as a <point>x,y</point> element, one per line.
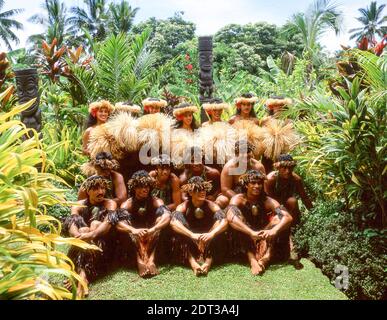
<point>222,201</point>
<point>292,204</point>
<point>95,224</point>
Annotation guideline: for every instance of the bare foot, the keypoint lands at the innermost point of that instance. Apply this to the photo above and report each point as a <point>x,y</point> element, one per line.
<point>153,269</point>
<point>143,270</point>
<point>256,268</point>
<point>205,268</point>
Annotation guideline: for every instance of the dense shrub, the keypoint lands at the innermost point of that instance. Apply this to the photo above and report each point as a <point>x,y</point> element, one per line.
<point>59,211</point>
<point>329,237</point>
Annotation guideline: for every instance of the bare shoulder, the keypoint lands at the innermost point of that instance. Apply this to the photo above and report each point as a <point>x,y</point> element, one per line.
<point>110,204</point>
<point>257,165</point>
<point>271,204</point>
<point>182,207</point>
<point>272,175</point>
<point>127,204</point>
<point>238,200</point>
<point>212,171</point>
<point>213,206</point>
<point>157,202</point>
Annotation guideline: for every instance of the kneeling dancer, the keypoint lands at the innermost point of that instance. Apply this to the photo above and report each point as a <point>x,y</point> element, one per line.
<point>143,217</point>
<point>198,223</point>
<point>92,214</point>
<point>258,221</point>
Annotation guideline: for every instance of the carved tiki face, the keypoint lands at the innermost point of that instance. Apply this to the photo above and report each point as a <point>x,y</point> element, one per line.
<point>205,53</point>
<point>27,85</point>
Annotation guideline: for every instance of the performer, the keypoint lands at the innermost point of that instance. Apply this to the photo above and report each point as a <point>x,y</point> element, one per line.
<point>243,161</point>
<point>255,230</point>
<point>245,109</point>
<point>153,105</point>
<point>128,107</point>
<point>99,113</point>
<point>276,104</point>
<point>184,116</point>
<point>214,110</point>
<point>284,186</point>
<point>198,224</point>
<point>167,184</point>
<point>105,166</point>
<point>143,217</point>
<point>194,167</point>
<point>90,221</point>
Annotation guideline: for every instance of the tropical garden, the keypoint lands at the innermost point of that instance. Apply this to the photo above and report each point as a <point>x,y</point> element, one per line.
<point>97,51</point>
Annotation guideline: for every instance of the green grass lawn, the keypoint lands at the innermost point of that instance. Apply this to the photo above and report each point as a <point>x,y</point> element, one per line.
<point>224,282</point>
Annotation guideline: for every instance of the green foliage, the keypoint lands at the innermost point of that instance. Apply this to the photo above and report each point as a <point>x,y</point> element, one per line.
<point>373,23</point>
<point>64,152</point>
<point>329,237</point>
<point>29,256</point>
<point>8,24</point>
<point>166,35</point>
<point>246,47</point>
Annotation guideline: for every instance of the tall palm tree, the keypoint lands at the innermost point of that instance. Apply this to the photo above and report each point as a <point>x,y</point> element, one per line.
<point>321,16</point>
<point>93,19</point>
<point>121,17</point>
<point>54,19</point>
<point>373,23</point>
<point>7,24</point>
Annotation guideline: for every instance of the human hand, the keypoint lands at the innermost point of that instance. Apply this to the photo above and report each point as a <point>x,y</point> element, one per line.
<point>267,234</point>
<point>141,233</point>
<point>88,236</point>
<point>206,237</point>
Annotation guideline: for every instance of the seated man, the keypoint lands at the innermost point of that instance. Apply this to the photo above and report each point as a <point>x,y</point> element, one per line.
<point>198,223</point>
<point>243,161</point>
<point>257,220</point>
<point>284,186</point>
<point>194,167</point>
<point>95,212</point>
<point>103,165</point>
<point>143,217</point>
<point>167,184</point>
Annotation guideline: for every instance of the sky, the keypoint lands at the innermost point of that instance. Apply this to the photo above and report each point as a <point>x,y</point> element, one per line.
<point>211,15</point>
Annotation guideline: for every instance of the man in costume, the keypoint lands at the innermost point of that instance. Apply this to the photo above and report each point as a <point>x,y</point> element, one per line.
<point>153,105</point>
<point>128,107</point>
<point>284,186</point>
<point>90,221</point>
<point>194,167</point>
<point>143,217</point>
<point>238,166</point>
<point>276,104</point>
<point>198,224</point>
<point>257,222</point>
<point>167,184</point>
<point>214,110</point>
<point>245,109</point>
<point>99,113</point>
<point>105,166</point>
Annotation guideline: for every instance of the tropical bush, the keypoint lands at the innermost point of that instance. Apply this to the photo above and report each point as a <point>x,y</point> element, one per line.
<point>329,237</point>
<point>29,238</point>
<point>346,151</point>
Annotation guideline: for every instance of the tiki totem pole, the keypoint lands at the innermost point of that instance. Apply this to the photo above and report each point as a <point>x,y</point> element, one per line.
<point>206,81</point>
<point>27,82</point>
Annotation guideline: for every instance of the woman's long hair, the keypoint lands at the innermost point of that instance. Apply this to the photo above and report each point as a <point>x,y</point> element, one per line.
<point>194,125</point>
<point>91,121</point>
<point>252,112</point>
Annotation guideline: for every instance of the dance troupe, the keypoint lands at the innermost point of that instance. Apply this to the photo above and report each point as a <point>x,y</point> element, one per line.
<point>162,190</point>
